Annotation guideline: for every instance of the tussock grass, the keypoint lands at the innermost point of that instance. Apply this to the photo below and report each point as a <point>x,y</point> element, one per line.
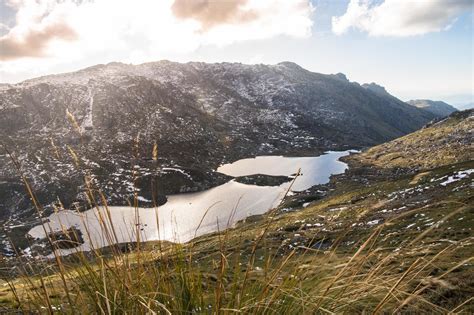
<point>176,279</point>
<point>234,276</point>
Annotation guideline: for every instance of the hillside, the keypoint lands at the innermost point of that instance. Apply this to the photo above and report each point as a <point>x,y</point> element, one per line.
<point>445,142</point>
<point>438,108</point>
<point>103,123</point>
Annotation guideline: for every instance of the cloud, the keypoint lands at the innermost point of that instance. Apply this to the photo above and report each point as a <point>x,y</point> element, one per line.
<point>34,43</point>
<point>400,18</point>
<point>52,32</point>
<point>211,13</point>
<point>37,24</point>
<point>4,27</point>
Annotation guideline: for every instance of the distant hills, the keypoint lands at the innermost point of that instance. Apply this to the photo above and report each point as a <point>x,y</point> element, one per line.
<point>465,106</point>
<point>438,108</point>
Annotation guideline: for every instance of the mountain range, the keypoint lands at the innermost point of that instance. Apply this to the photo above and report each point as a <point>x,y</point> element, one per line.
<point>174,124</point>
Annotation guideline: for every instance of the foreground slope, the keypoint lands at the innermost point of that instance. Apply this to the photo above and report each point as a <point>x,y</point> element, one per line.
<point>417,213</point>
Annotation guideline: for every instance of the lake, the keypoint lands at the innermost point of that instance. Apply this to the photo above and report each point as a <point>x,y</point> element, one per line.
<point>185,216</point>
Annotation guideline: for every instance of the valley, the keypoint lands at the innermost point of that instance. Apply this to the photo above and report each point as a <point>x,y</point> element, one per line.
<point>369,198</point>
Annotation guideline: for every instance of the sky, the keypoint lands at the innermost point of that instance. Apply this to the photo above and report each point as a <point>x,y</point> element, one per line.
<point>417,49</point>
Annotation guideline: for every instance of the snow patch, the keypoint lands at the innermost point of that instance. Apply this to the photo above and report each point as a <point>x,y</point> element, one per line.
<point>457,177</point>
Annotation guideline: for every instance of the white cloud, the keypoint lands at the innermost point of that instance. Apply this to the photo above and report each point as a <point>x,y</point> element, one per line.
<point>135,31</point>
<point>400,17</point>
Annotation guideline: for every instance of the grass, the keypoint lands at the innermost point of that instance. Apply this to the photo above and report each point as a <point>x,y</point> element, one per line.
<point>442,143</point>
<point>242,277</point>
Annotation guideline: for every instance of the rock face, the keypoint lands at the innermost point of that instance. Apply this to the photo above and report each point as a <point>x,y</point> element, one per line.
<point>438,108</point>
<point>378,89</point>
<point>103,126</point>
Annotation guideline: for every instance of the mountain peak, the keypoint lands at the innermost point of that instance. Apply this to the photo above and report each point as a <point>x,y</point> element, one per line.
<point>290,64</point>
<point>341,76</point>
<point>374,87</point>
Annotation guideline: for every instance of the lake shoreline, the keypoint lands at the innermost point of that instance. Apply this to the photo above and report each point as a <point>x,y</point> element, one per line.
<point>189,215</point>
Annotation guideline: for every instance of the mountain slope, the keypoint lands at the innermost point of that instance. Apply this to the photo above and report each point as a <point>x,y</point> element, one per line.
<point>438,108</point>
<point>228,93</point>
<point>445,142</point>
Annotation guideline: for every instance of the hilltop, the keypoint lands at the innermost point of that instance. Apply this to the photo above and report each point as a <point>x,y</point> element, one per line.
<point>438,108</point>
